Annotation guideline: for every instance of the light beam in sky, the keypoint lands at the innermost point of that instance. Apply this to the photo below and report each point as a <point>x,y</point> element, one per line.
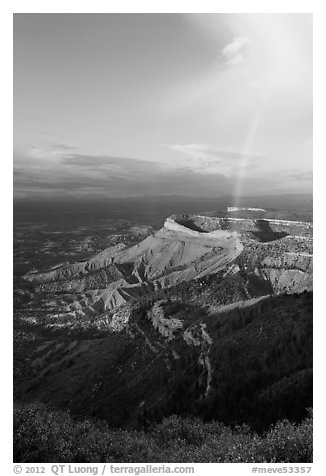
<point>249,145</point>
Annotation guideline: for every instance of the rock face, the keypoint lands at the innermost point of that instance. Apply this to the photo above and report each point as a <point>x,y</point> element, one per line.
<point>277,253</point>
<point>173,225</point>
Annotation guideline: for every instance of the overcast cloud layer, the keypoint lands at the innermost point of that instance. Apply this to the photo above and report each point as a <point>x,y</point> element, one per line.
<point>198,105</point>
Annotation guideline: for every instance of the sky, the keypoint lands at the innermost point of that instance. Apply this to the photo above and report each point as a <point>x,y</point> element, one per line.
<point>201,105</point>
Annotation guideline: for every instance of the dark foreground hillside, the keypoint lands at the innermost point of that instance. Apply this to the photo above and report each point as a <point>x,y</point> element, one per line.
<point>249,365</point>
<point>43,435</point>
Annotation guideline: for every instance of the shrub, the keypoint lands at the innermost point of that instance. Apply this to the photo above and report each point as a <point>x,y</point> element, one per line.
<point>45,435</point>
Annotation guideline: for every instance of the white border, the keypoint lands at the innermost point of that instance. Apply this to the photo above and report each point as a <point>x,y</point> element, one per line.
<point>168,6</point>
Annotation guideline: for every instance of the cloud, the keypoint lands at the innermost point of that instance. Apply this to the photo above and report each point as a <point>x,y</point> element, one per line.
<point>109,164</point>
<point>63,147</point>
<point>234,52</point>
<point>209,151</point>
<point>208,158</point>
<point>300,174</point>
<point>204,170</point>
<point>50,150</point>
<point>18,171</point>
<point>50,173</point>
<point>180,181</point>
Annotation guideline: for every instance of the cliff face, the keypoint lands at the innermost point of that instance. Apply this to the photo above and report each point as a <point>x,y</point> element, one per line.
<point>173,225</point>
